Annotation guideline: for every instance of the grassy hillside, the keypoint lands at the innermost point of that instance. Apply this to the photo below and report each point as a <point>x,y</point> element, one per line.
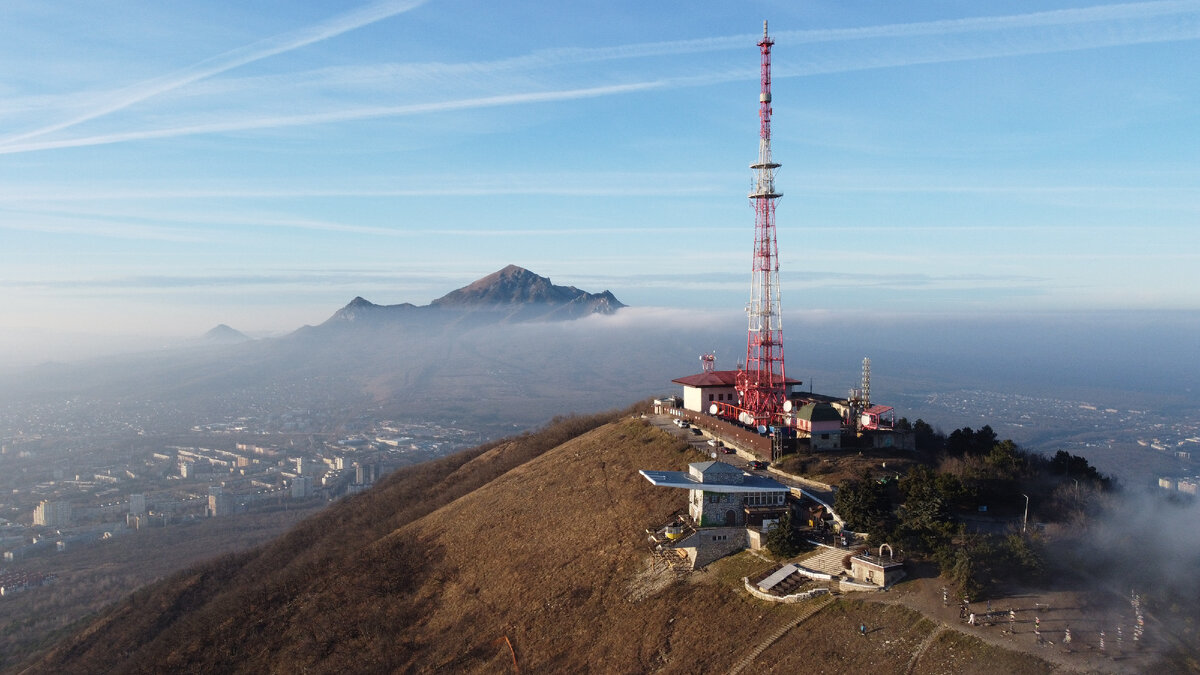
<point>537,542</point>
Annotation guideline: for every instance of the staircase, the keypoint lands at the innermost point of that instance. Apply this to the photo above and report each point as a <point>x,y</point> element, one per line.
<point>827,560</point>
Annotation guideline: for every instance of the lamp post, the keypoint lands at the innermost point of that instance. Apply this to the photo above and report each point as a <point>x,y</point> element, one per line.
<point>1025,521</point>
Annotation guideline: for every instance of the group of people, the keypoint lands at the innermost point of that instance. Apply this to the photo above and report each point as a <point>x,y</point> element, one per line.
<point>988,618</point>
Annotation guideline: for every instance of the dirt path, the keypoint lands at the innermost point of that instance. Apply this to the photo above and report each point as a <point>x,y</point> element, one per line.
<point>916,657</point>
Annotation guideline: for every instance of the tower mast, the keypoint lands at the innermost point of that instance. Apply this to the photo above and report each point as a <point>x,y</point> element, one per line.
<point>761,385</point>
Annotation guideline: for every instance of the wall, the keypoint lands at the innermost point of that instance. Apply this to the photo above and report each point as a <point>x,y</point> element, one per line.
<point>707,545</point>
<point>787,599</point>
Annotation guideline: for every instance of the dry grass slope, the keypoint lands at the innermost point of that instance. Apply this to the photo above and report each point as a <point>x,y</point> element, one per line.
<point>539,540</point>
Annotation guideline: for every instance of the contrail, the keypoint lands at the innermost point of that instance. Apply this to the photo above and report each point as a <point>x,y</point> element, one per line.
<point>268,47</point>
<point>979,38</point>
<point>336,116</point>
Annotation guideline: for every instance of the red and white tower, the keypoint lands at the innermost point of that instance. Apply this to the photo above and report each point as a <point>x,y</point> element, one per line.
<point>760,386</point>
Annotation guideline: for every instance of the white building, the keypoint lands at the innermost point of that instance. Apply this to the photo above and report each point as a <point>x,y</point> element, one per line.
<point>723,495</point>
<point>52,514</point>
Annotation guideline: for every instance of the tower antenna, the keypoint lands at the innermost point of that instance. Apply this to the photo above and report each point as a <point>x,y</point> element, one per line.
<point>866,382</point>
<point>761,385</point>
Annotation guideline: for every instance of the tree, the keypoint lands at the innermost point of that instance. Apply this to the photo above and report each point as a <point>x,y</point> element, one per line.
<point>782,539</point>
<point>865,506</point>
<point>927,438</point>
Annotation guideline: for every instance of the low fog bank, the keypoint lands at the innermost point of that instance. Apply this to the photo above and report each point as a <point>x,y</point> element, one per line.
<point>1144,542</point>
<point>25,348</point>
<point>1116,358</point>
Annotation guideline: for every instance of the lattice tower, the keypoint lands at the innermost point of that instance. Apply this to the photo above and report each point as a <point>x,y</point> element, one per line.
<point>761,385</point>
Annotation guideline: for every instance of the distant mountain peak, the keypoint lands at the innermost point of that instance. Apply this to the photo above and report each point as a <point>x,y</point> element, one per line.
<point>224,334</point>
<point>514,286</point>
<point>510,294</point>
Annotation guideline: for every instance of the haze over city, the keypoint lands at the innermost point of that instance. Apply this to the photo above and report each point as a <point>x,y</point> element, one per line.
<point>169,168</point>
<point>332,330</point>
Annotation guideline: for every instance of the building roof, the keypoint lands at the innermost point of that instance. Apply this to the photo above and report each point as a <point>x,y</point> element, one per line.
<point>713,472</point>
<point>717,378</point>
<point>684,480</point>
<point>876,561</point>
<point>818,412</point>
<point>878,409</point>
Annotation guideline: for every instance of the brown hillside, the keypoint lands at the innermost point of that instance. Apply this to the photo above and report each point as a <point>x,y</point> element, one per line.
<point>529,540</point>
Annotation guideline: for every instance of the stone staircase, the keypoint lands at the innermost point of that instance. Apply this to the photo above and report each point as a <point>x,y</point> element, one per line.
<point>826,560</point>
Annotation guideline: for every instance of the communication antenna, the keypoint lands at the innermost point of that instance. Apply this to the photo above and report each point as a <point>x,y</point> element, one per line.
<point>866,383</point>
<point>708,362</point>
<point>761,386</point>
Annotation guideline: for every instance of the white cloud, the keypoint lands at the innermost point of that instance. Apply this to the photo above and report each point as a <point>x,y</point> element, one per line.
<point>509,81</point>
<point>123,98</point>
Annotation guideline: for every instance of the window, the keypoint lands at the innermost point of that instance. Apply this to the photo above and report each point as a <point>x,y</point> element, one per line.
<point>710,397</point>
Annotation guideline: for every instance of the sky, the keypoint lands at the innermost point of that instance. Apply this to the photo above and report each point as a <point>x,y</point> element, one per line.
<point>169,166</point>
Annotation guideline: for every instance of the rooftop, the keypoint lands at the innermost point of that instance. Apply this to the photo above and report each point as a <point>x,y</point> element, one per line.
<point>682,479</point>
<point>717,378</point>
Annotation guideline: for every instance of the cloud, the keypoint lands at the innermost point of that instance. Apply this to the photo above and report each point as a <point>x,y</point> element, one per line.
<point>344,115</point>
<point>849,49</point>
<point>123,98</point>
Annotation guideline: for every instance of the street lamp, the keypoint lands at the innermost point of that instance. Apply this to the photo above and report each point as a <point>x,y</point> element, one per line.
<point>1025,521</point>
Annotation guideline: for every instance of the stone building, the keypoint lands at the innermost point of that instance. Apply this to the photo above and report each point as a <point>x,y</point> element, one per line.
<point>723,501</point>
<point>876,569</point>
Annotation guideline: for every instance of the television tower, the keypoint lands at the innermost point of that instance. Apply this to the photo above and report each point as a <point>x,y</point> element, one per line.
<point>761,385</point>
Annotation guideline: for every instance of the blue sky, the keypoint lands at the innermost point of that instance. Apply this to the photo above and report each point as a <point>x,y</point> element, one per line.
<point>167,166</point>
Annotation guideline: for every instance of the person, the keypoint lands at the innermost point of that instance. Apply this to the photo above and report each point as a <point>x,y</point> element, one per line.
<point>862,629</point>
<point>971,620</point>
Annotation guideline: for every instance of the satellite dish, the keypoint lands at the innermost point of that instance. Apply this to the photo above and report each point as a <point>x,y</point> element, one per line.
<point>787,406</point>
<point>712,409</point>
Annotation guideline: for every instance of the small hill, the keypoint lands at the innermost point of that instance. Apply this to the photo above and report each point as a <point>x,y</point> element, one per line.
<point>535,542</point>
<point>223,334</point>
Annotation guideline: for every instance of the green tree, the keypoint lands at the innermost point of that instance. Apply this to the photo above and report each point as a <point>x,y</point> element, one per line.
<point>864,504</point>
<point>782,539</point>
<point>928,439</point>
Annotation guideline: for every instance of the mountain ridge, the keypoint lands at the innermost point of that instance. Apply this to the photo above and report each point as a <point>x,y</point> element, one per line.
<point>511,294</point>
